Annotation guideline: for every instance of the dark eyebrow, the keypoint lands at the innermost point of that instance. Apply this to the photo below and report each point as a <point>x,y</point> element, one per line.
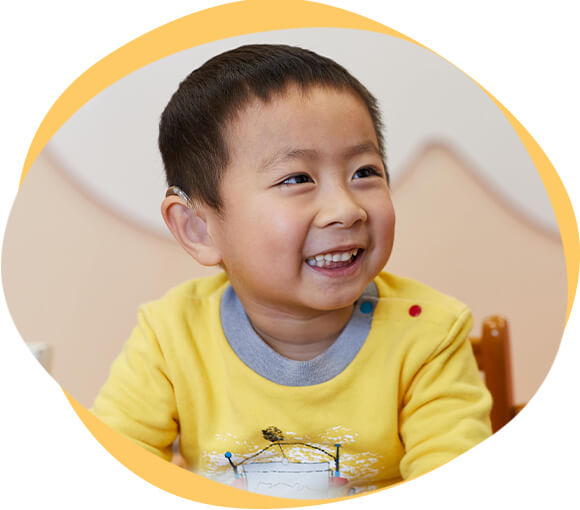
<point>362,148</point>
<point>286,154</point>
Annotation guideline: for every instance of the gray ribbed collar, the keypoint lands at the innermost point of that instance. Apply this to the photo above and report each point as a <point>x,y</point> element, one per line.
<point>264,360</point>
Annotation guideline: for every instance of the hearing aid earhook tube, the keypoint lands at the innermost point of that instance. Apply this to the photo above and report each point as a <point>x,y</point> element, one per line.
<point>174,190</point>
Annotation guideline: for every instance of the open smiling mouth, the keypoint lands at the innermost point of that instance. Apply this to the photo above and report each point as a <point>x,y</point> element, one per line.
<point>334,260</point>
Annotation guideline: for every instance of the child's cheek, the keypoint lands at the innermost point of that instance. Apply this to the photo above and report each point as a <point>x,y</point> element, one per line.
<point>283,219</point>
<point>388,232</point>
<point>382,226</point>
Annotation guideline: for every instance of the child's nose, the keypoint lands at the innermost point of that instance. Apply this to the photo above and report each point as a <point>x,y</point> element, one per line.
<point>340,208</point>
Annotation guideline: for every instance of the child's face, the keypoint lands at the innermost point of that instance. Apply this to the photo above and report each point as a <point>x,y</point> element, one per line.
<point>304,181</point>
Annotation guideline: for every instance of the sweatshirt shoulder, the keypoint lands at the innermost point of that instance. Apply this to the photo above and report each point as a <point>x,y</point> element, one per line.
<point>199,290</point>
<point>405,293</point>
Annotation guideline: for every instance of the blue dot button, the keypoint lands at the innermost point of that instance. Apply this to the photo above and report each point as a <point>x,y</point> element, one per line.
<point>366,307</point>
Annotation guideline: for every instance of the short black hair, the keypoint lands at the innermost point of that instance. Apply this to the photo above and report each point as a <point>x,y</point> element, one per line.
<point>192,128</point>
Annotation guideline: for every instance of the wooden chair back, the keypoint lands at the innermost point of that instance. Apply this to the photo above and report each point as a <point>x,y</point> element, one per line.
<point>492,352</point>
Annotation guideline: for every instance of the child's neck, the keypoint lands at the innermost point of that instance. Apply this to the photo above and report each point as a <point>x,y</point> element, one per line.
<point>297,337</point>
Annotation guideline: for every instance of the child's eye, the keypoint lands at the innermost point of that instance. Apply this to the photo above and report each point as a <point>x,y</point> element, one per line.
<point>297,179</point>
<point>367,171</point>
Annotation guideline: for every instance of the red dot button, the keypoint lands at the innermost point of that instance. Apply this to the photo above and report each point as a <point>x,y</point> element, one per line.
<point>414,310</point>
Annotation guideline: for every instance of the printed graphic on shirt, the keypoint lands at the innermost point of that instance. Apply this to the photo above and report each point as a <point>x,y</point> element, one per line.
<point>286,465</point>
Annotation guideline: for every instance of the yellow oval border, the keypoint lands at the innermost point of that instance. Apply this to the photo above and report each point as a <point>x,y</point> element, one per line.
<point>221,22</point>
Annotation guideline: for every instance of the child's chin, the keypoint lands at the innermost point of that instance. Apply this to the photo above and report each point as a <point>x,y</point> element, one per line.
<point>336,303</point>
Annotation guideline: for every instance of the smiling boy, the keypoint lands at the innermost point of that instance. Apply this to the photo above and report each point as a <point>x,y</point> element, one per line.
<point>302,365</point>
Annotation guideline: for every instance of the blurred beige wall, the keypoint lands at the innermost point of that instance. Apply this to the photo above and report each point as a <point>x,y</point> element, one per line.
<point>74,273</point>
<point>457,235</point>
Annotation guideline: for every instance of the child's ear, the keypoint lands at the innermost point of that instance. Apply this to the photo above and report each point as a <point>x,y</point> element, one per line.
<point>189,226</point>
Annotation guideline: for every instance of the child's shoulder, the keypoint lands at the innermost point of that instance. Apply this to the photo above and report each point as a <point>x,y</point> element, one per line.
<point>205,289</point>
<point>417,297</point>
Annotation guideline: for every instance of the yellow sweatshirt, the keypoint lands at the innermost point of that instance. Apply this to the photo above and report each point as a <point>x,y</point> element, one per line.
<point>410,399</point>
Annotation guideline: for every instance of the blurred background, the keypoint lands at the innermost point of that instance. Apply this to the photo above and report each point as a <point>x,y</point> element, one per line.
<point>86,245</point>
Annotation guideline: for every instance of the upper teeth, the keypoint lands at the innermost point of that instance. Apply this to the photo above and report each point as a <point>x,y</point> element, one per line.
<point>325,258</point>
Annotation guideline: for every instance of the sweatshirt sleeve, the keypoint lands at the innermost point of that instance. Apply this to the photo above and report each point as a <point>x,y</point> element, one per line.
<point>445,409</point>
<point>137,399</point>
